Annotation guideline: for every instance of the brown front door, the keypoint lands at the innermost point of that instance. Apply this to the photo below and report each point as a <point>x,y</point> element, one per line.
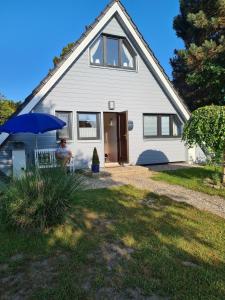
<point>122,137</point>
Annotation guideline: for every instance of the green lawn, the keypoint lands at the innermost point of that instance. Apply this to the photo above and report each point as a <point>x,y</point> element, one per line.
<point>191,178</point>
<point>118,243</point>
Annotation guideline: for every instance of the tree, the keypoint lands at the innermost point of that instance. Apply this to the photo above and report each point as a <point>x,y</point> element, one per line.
<point>206,128</point>
<point>65,51</point>
<point>7,108</point>
<point>199,69</point>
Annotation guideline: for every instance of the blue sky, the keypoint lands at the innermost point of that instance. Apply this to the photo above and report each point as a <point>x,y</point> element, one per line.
<point>33,32</point>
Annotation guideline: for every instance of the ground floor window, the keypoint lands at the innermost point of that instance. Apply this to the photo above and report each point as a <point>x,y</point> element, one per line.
<point>161,125</point>
<point>65,132</point>
<point>150,125</point>
<point>88,124</point>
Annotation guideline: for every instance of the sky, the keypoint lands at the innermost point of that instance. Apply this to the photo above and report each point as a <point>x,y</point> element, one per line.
<point>32,32</point>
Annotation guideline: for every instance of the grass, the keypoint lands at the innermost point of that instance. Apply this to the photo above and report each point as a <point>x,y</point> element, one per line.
<point>191,178</point>
<point>116,243</point>
<point>3,180</point>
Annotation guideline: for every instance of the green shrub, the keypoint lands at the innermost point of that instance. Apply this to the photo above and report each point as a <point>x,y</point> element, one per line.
<point>2,183</point>
<point>95,158</point>
<point>216,176</point>
<point>39,199</point>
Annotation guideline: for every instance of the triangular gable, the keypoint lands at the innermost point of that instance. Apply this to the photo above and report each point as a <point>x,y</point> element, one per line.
<point>115,7</point>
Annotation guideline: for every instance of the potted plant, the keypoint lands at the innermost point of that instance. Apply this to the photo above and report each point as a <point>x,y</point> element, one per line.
<point>95,162</point>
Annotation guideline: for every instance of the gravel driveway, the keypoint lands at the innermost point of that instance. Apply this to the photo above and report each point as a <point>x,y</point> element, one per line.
<point>140,177</point>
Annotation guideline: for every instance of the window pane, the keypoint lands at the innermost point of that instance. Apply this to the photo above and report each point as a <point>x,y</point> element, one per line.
<point>150,125</point>
<point>65,132</point>
<point>112,52</point>
<point>96,52</point>
<point>165,125</point>
<point>88,125</point>
<point>127,58</point>
<point>177,127</point>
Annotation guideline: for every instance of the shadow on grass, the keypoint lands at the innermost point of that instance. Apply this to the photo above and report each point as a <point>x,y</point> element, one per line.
<point>127,243</point>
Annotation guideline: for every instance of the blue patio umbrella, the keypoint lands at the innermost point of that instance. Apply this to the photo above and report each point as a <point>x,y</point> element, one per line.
<point>33,123</point>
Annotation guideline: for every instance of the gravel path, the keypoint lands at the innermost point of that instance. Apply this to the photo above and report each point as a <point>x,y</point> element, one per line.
<point>140,177</point>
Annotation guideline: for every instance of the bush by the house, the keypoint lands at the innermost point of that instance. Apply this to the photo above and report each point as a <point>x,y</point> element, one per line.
<point>206,128</point>
<point>39,199</point>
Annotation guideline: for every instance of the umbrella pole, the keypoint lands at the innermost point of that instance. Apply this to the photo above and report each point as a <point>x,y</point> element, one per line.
<point>36,143</point>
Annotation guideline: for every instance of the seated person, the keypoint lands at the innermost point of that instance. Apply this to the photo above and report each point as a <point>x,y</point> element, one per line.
<point>63,153</point>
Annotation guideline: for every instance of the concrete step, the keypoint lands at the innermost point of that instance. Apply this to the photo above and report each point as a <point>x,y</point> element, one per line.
<point>127,170</point>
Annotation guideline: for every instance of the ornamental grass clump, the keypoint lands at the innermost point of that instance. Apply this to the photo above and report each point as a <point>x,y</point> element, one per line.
<point>39,199</point>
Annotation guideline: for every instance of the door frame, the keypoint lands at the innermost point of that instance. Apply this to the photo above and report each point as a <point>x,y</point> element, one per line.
<point>118,135</point>
<point>127,137</point>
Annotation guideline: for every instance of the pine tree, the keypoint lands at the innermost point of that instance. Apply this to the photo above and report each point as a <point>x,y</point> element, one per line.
<point>199,69</point>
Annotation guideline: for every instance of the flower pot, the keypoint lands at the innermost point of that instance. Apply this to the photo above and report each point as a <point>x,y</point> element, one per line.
<point>95,168</point>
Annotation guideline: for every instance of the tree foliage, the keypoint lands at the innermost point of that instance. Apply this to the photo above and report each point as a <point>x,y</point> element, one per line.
<point>65,51</point>
<point>206,128</point>
<point>199,69</point>
<point>7,108</point>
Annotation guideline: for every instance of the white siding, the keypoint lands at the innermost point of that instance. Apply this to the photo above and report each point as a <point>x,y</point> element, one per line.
<point>114,28</point>
<point>89,88</point>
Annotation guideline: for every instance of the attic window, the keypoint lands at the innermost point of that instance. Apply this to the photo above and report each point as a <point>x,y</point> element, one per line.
<point>127,56</point>
<point>96,52</point>
<point>112,51</point>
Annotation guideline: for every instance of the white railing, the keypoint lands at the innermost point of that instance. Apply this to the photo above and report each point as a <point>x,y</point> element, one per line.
<point>45,158</point>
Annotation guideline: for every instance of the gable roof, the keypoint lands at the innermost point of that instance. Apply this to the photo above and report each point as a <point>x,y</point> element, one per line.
<point>114,7</point>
